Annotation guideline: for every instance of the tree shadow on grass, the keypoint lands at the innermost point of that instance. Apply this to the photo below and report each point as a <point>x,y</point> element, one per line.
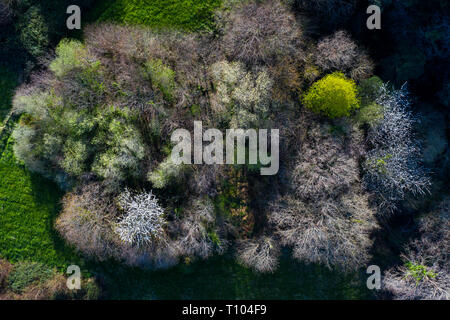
<point>47,194</point>
<point>220,277</point>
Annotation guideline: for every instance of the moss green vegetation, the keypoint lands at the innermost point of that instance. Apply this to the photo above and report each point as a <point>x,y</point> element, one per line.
<point>28,206</point>
<point>333,96</point>
<point>371,114</point>
<point>369,90</point>
<point>25,273</point>
<point>183,14</point>
<point>379,164</point>
<point>418,272</point>
<point>162,76</point>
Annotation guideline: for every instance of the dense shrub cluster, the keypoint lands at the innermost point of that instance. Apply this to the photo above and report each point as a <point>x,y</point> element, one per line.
<point>99,124</point>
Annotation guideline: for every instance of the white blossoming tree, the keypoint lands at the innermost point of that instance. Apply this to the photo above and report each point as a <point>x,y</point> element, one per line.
<point>144,218</point>
<point>393,165</point>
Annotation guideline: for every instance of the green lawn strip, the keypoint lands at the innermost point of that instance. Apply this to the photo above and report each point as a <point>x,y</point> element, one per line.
<point>29,204</point>
<point>189,15</point>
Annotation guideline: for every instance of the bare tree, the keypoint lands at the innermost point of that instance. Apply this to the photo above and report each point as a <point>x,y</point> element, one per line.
<point>197,233</point>
<point>325,166</point>
<point>339,53</point>
<point>256,33</point>
<point>85,222</point>
<point>329,232</point>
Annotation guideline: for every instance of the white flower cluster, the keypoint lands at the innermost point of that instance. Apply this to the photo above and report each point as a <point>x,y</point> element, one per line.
<point>143,222</point>
<point>393,165</point>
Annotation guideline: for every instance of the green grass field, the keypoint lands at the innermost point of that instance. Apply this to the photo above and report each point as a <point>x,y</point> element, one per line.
<point>29,204</point>
<point>190,15</point>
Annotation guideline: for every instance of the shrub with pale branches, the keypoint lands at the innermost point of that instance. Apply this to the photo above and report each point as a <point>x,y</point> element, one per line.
<point>86,222</point>
<point>335,233</point>
<point>260,254</point>
<point>339,53</point>
<point>325,216</point>
<point>393,167</point>
<point>143,221</point>
<point>259,32</point>
<point>425,272</point>
<point>326,165</point>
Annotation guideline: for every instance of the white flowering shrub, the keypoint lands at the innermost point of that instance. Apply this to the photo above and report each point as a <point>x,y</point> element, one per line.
<point>393,166</point>
<point>144,218</point>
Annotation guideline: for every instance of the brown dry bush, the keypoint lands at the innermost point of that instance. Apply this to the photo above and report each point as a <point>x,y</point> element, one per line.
<point>339,53</point>
<point>205,180</point>
<point>5,268</point>
<point>431,251</point>
<point>261,254</point>
<point>327,163</point>
<point>55,288</point>
<point>85,222</point>
<point>257,33</point>
<point>194,231</point>
<point>335,233</point>
<point>288,78</point>
<point>326,217</point>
